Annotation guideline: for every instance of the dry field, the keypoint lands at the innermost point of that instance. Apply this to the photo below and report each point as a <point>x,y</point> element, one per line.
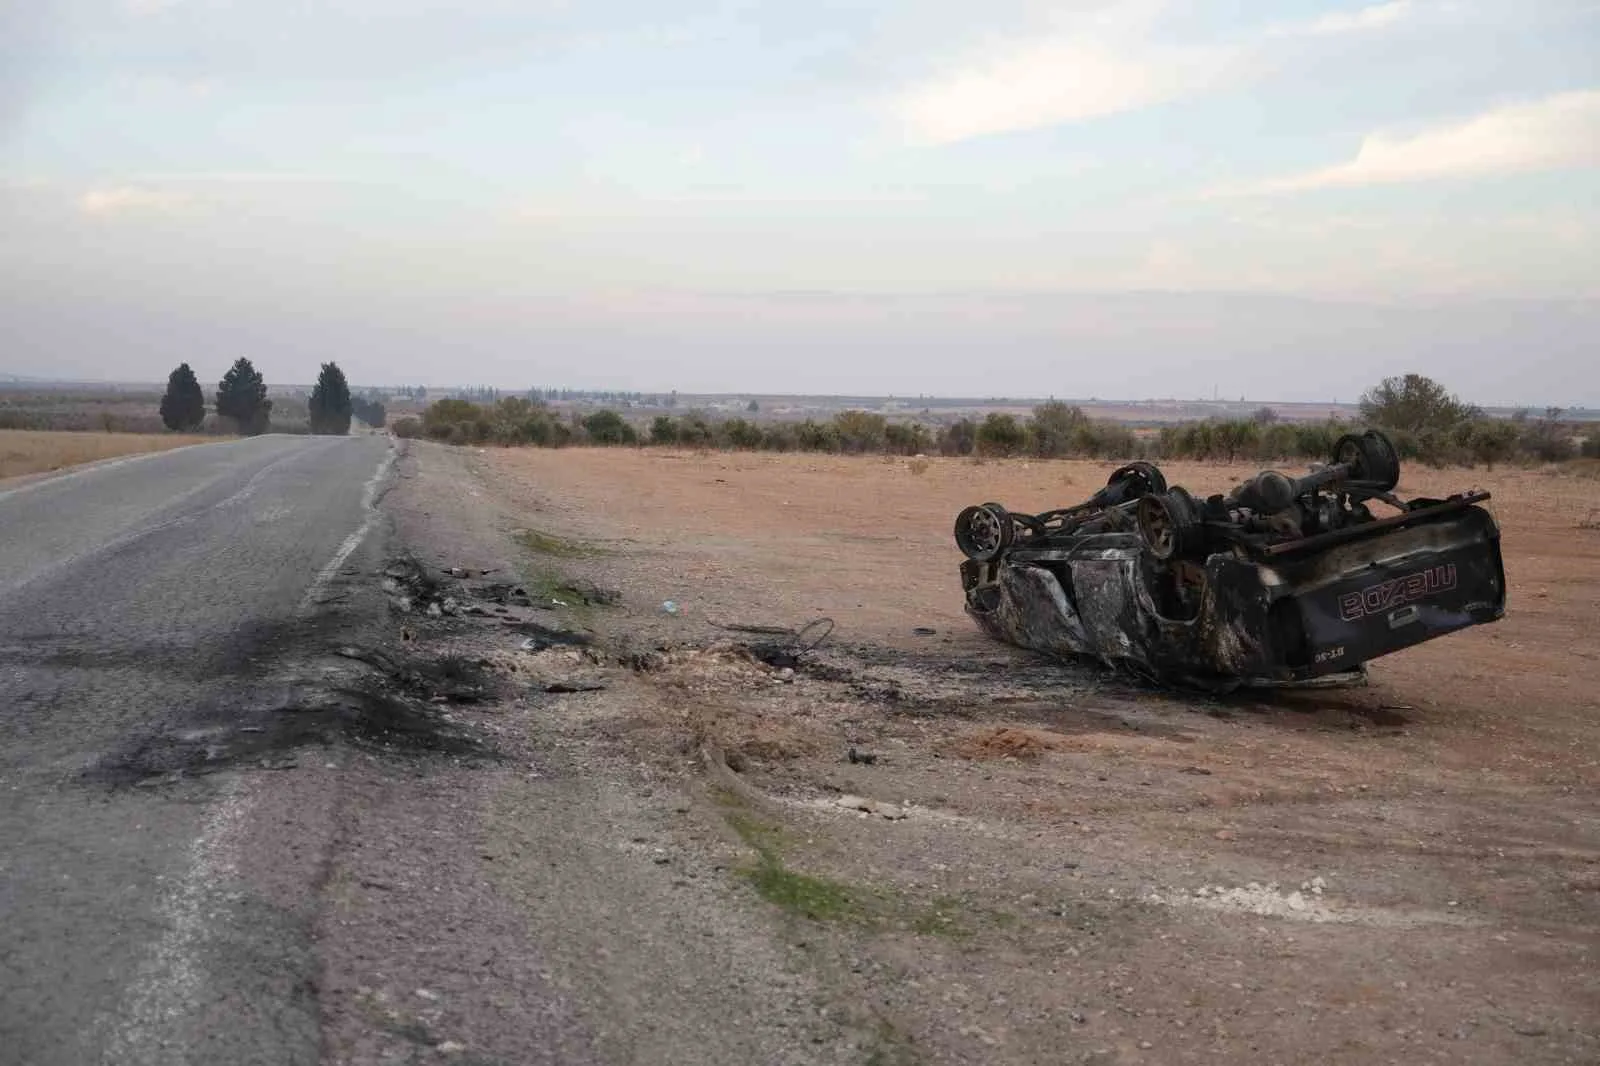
<point>1044,863</point>
<point>24,451</point>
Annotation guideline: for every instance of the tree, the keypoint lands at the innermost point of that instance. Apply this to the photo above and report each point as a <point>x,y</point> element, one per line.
<point>242,396</point>
<point>1264,416</point>
<point>664,430</point>
<point>370,409</point>
<point>1001,434</point>
<point>330,403</point>
<point>183,407</point>
<point>607,427</point>
<point>1414,404</point>
<point>958,438</point>
<point>860,431</point>
<point>1054,426</point>
<point>752,407</point>
<point>1489,440</point>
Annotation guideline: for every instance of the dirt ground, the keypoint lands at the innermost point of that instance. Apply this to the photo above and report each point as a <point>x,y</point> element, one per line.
<point>995,859</point>
<point>26,451</point>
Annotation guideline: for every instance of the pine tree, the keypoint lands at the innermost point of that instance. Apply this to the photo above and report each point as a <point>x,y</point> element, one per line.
<point>183,407</point>
<point>330,402</point>
<point>242,396</point>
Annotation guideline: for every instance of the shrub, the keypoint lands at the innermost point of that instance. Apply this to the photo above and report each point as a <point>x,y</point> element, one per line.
<point>860,431</point>
<point>959,438</point>
<point>1545,439</point>
<point>1054,429</point>
<point>1488,440</point>
<point>695,432</point>
<point>1001,435</point>
<point>906,438</point>
<point>407,428</point>
<point>664,430</point>
<point>741,434</point>
<point>449,412</point>
<point>812,436</point>
<point>609,428</point>
<point>778,437</point>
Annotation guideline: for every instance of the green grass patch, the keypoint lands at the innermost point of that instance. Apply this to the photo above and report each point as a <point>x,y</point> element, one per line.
<point>824,899</point>
<point>541,543</point>
<point>817,898</point>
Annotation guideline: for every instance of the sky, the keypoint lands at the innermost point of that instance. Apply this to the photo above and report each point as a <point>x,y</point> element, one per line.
<point>1137,199</point>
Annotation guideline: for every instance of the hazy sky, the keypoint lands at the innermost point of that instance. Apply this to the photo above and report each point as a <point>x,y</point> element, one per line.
<point>1281,200</point>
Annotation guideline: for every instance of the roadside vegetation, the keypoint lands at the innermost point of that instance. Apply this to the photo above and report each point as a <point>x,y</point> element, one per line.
<point>239,405</point>
<point>25,451</point>
<point>1427,423</point>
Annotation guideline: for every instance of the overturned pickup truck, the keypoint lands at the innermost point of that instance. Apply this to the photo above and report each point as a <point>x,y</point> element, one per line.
<point>1284,580</point>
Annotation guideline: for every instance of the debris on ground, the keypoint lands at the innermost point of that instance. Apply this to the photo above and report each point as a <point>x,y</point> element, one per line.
<point>561,687</point>
<point>1009,742</point>
<point>863,805</point>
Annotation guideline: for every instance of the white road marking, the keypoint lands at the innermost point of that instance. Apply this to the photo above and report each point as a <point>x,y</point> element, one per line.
<point>165,994</point>
<point>369,500</point>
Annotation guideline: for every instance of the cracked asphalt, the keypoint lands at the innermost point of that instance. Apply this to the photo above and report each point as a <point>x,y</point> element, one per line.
<point>137,598</point>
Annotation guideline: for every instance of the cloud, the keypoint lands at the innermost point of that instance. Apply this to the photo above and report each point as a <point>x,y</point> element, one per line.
<point>239,177</point>
<point>140,8</point>
<point>1373,17</point>
<point>128,199</point>
<point>1054,82</point>
<point>1560,132</point>
<point>1102,63</point>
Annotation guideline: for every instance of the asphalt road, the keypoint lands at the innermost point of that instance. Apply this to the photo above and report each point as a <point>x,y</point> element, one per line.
<point>137,599</point>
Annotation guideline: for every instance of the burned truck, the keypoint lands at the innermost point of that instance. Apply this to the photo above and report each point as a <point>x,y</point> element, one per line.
<point>1282,581</point>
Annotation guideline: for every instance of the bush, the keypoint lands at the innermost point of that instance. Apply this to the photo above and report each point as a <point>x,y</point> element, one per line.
<point>1545,439</point>
<point>695,432</point>
<point>606,427</point>
<point>860,431</point>
<point>778,437</point>
<point>1001,435</point>
<point>812,436</point>
<point>906,438</point>
<point>959,438</point>
<point>741,434</point>
<point>1055,429</point>
<point>1591,445</point>
<point>407,428</point>
<point>1488,440</point>
<point>664,430</point>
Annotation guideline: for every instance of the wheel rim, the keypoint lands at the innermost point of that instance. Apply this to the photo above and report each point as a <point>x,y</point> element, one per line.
<point>1159,530</point>
<point>984,532</point>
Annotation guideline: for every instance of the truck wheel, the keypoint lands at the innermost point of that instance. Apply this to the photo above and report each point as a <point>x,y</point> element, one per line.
<point>984,532</point>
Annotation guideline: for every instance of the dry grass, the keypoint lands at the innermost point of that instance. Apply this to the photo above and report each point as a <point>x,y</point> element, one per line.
<point>24,451</point>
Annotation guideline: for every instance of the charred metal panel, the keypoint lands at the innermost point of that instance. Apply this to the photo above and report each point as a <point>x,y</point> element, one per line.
<point>1288,580</point>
